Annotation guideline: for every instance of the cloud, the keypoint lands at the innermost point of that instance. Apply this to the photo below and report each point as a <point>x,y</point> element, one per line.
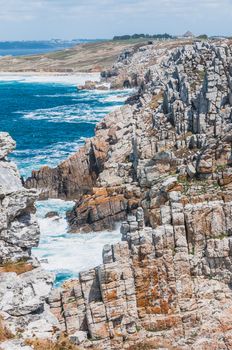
<point>107,17</point>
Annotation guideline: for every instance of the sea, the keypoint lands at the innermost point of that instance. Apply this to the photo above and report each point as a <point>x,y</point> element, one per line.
<point>27,48</point>
<point>50,118</point>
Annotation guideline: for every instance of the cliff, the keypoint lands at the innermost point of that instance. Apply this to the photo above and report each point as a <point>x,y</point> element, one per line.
<point>24,286</point>
<point>164,159</point>
<point>163,288</point>
<point>178,124</point>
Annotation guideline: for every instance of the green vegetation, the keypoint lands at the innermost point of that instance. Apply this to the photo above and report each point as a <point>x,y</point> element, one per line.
<point>203,37</point>
<point>164,36</point>
<point>221,236</point>
<point>221,167</point>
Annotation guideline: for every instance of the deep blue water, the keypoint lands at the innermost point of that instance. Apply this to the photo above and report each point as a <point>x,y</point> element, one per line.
<point>49,121</point>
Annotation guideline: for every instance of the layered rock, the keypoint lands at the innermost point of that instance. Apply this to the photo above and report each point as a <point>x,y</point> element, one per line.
<point>169,286</point>
<point>23,306</point>
<point>167,153</point>
<point>19,228</point>
<point>178,123</point>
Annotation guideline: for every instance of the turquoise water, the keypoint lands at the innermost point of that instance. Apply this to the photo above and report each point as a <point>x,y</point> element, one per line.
<point>49,121</point>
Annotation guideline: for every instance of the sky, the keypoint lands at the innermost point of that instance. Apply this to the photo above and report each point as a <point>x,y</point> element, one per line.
<point>72,19</point>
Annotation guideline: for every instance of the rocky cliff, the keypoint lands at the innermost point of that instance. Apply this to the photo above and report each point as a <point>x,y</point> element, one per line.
<point>163,288</point>
<point>178,124</point>
<point>24,286</point>
<point>164,159</point>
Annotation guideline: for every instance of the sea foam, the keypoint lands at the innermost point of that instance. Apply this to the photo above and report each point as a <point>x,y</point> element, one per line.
<point>68,254</point>
<point>74,79</point>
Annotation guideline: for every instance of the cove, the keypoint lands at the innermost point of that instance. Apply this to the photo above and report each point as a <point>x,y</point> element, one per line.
<point>50,118</point>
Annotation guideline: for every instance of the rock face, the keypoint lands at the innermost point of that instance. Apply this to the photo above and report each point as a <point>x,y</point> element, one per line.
<point>22,297</point>
<point>179,123</point>
<point>172,282</point>
<point>19,231</point>
<point>164,159</point>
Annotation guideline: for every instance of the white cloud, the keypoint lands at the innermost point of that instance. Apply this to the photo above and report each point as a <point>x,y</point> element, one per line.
<point>96,17</point>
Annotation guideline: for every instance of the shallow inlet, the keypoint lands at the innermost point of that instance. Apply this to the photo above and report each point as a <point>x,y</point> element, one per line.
<point>63,253</point>
<point>49,119</point>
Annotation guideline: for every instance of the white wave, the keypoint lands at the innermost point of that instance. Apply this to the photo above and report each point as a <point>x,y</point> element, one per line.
<point>70,113</point>
<point>68,253</point>
<point>72,94</point>
<point>69,79</point>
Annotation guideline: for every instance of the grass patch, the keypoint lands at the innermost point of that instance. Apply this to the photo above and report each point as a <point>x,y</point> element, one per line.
<point>62,343</point>
<point>19,267</point>
<point>5,334</point>
<point>155,101</point>
<point>151,345</point>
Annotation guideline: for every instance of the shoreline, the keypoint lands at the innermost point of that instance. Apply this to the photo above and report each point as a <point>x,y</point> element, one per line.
<point>53,77</point>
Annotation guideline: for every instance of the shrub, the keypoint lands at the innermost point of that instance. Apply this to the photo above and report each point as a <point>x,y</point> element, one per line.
<point>5,334</point>
<point>62,343</point>
<point>19,267</point>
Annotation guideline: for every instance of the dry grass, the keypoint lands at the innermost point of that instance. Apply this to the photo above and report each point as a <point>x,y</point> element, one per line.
<point>156,100</point>
<point>5,334</point>
<point>19,267</point>
<point>62,344</point>
<point>152,345</point>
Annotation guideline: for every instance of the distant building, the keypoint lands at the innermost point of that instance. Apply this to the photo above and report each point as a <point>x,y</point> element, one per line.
<point>188,34</point>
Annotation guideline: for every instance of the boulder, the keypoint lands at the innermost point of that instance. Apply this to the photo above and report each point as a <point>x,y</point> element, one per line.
<point>78,337</point>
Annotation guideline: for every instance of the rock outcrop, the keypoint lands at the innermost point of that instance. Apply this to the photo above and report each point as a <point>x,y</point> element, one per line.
<point>23,295</point>
<point>178,124</point>
<point>164,159</point>
<point>169,287</point>
<point>19,228</point>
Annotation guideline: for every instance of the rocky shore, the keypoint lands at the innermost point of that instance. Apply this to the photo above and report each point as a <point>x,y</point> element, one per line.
<point>162,165</point>
<point>176,126</point>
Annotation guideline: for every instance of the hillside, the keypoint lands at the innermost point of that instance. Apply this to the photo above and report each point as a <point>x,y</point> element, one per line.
<point>82,58</point>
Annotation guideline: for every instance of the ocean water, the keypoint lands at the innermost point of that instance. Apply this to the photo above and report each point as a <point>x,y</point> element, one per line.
<point>26,48</point>
<point>50,118</point>
<point>68,254</point>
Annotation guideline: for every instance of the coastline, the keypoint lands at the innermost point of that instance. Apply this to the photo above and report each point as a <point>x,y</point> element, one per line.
<point>53,77</point>
<point>54,231</point>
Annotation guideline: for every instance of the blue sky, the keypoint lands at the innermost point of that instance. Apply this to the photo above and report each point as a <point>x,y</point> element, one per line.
<point>67,19</point>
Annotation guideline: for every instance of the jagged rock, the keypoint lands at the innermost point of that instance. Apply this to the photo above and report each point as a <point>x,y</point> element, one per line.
<point>7,145</point>
<point>19,230</point>
<point>22,297</point>
<point>191,171</point>
<point>78,337</point>
<point>52,214</point>
<point>180,111</point>
<point>157,282</point>
<point>169,155</point>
